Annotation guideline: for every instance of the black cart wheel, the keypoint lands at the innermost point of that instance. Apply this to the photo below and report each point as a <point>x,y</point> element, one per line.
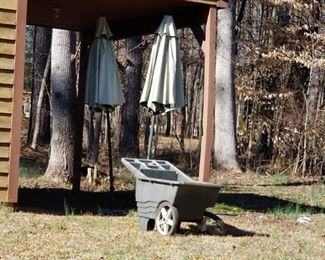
<point>167,220</point>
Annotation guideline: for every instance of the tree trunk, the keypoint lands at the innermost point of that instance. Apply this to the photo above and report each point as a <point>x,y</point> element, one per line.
<point>168,124</point>
<point>42,46</point>
<point>129,142</point>
<point>225,134</point>
<point>40,101</point>
<point>86,131</point>
<point>63,100</point>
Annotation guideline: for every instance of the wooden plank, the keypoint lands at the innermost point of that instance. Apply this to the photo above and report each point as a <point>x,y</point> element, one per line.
<point>7,63</point>
<point>4,166</point>
<point>3,195</point>
<point>7,47</point>
<point>217,3</point>
<point>7,33</point>
<point>6,93</point>
<point>3,181</point>
<point>5,137</point>
<point>7,17</point>
<point>209,48</point>
<point>5,122</point>
<point>8,4</point>
<point>17,101</point>
<point>5,106</point>
<point>4,152</point>
<point>6,77</point>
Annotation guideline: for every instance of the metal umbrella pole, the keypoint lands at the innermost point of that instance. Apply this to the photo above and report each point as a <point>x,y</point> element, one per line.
<point>110,156</point>
<point>153,119</point>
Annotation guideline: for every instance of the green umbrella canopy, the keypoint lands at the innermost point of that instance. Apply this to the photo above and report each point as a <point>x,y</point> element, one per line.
<point>163,88</point>
<point>103,86</point>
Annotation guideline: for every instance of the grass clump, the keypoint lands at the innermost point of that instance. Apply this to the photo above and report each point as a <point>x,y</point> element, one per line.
<point>291,209</point>
<point>226,209</point>
<point>29,173</point>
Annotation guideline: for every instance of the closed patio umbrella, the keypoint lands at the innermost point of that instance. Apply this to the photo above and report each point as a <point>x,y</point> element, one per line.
<point>163,87</point>
<point>103,87</point>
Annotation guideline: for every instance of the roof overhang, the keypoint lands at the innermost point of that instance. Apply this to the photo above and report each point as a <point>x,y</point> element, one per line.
<point>125,17</point>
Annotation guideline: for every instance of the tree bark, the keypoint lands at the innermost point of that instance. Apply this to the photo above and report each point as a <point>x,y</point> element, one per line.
<point>41,97</point>
<point>42,46</point>
<point>225,126</point>
<point>63,100</point>
<point>129,142</point>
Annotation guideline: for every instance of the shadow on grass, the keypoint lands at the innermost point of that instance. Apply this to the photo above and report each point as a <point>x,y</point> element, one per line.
<point>65,202</point>
<point>225,230</point>
<point>260,203</point>
<point>287,184</point>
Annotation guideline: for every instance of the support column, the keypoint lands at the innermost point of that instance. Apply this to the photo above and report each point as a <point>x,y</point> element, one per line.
<point>85,40</point>
<point>18,87</point>
<point>209,49</point>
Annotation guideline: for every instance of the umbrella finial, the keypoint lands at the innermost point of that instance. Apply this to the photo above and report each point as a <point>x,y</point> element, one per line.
<point>102,28</point>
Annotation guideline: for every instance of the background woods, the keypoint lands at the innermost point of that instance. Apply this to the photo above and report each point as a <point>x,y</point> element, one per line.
<point>269,111</point>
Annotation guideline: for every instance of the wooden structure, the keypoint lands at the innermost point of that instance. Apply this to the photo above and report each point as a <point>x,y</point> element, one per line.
<point>126,18</point>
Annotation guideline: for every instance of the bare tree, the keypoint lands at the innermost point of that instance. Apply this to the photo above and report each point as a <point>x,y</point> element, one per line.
<point>129,141</point>
<point>63,100</point>
<point>225,127</point>
<point>40,108</point>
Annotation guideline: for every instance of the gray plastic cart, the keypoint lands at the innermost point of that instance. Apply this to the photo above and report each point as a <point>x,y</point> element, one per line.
<point>166,196</point>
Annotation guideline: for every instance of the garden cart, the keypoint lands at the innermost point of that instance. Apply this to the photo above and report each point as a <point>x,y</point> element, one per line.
<point>166,196</point>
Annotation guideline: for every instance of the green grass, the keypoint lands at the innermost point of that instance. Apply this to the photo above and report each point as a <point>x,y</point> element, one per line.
<point>29,172</point>
<point>280,178</point>
<point>226,209</point>
<point>41,236</point>
<point>292,210</point>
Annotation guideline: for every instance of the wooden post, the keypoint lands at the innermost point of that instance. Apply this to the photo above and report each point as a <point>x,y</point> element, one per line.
<point>85,39</point>
<point>209,49</point>
<point>17,102</point>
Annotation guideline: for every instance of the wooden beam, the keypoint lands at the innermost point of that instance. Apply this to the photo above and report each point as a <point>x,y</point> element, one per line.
<point>209,49</point>
<point>217,3</point>
<point>86,38</point>
<point>17,103</point>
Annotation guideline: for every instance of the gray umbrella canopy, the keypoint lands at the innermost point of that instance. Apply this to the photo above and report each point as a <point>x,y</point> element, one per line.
<point>103,86</point>
<point>163,88</point>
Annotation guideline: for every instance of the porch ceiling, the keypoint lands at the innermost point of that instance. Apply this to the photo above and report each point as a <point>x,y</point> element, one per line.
<point>125,17</point>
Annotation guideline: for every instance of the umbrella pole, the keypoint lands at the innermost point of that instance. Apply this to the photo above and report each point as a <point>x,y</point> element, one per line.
<point>153,117</point>
<point>110,156</point>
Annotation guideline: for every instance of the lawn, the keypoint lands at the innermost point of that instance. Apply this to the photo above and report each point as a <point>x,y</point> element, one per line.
<point>260,213</point>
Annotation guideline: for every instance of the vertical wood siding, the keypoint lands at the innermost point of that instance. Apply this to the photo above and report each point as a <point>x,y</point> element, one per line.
<point>8,20</point>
